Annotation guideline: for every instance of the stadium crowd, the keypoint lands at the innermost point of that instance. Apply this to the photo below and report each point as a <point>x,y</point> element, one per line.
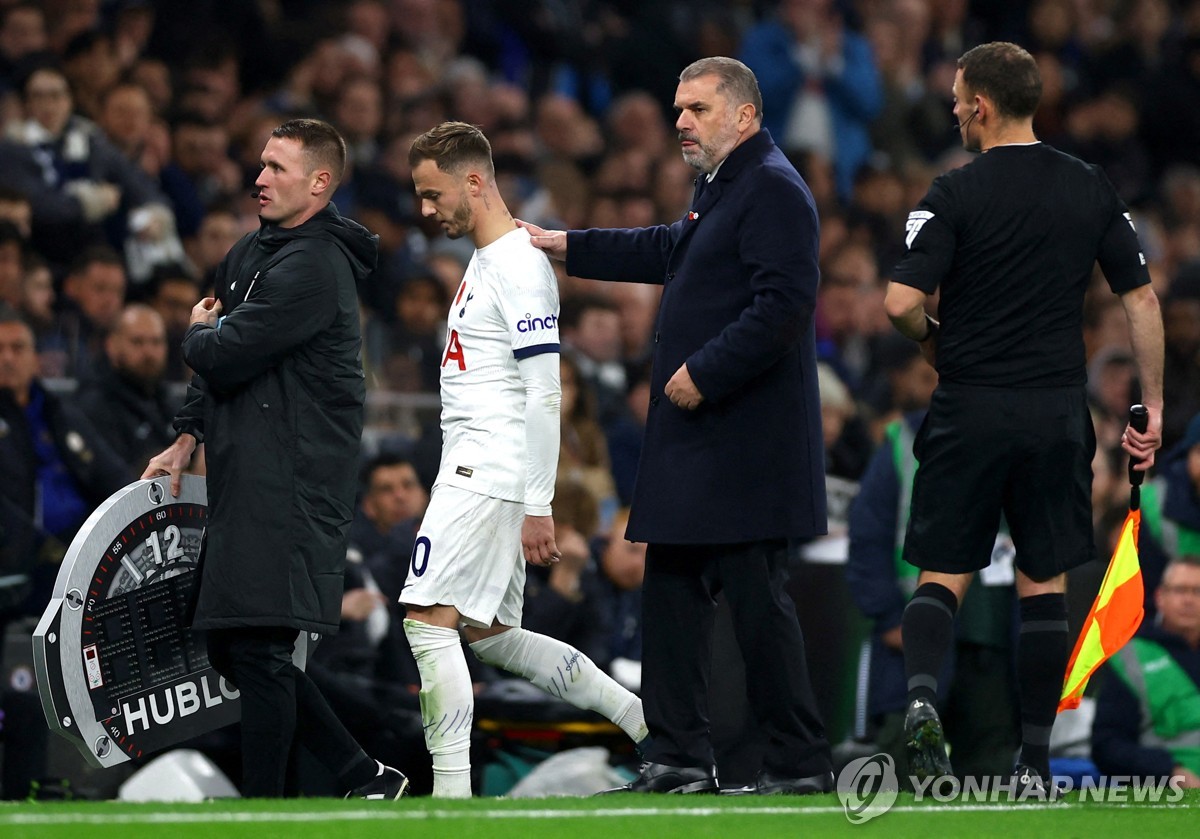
<point>130,132</point>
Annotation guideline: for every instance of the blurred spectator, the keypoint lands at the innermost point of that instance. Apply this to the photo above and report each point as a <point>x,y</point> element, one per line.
<point>623,564</point>
<point>200,172</point>
<point>358,115</point>
<point>1181,370</point>
<point>845,331</point>
<point>22,34</point>
<point>624,435</point>
<point>1139,50</point>
<point>1171,108</point>
<point>218,231</point>
<point>93,293</point>
<point>15,207</point>
<point>1111,388</point>
<point>56,466</point>
<point>900,382</point>
<point>12,251</point>
<point>591,329</point>
<point>911,125</point>
<point>128,119</point>
<point>173,293</point>
<point>405,354</point>
<point>583,450</point>
<point>820,86</point>
<point>565,600</point>
<point>81,188</point>
<point>90,64</point>
<point>847,450</point>
<point>126,398</point>
<point>847,445</point>
<point>1171,501</point>
<point>385,524</point>
<point>1148,710</point>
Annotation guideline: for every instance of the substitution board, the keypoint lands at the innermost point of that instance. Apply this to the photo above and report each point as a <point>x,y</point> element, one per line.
<point>119,670</point>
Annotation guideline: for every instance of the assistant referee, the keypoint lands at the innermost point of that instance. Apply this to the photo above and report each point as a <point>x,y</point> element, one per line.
<point>1011,240</point>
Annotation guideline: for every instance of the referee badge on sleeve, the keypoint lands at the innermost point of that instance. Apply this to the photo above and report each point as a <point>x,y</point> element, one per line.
<point>916,220</point>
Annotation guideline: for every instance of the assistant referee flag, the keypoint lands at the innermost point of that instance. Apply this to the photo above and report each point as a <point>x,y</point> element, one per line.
<point>1114,617</point>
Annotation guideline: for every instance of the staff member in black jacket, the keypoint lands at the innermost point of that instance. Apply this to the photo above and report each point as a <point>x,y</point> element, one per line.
<point>732,466</point>
<point>1011,240</point>
<point>278,399</point>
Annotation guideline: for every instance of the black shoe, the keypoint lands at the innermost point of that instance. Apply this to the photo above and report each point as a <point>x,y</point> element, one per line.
<point>658,777</point>
<point>925,741</point>
<point>1029,784</point>
<point>386,786</point>
<point>768,783</point>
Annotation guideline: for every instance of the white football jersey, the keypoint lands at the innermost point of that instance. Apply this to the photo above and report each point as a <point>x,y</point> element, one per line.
<point>505,309</point>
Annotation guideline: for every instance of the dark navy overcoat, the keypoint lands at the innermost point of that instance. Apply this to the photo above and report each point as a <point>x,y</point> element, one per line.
<point>739,275</point>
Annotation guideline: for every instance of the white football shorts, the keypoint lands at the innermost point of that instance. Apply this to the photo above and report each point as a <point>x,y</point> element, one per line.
<point>468,555</point>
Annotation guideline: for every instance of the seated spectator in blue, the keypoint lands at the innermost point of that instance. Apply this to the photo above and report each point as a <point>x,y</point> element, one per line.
<point>1148,710</point>
<point>56,467</point>
<point>820,86</point>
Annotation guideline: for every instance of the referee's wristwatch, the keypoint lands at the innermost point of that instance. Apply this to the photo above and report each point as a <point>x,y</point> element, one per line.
<point>933,325</point>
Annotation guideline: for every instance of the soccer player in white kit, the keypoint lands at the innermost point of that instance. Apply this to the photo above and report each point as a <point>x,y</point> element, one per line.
<point>489,512</point>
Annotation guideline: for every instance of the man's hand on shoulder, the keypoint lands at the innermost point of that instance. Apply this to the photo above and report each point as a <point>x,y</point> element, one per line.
<point>537,541</point>
<point>553,242</point>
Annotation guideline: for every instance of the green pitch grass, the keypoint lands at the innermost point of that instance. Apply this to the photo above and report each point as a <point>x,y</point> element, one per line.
<point>610,817</point>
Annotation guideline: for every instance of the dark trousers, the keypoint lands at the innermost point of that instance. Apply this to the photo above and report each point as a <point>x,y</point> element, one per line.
<point>280,703</point>
<point>678,601</point>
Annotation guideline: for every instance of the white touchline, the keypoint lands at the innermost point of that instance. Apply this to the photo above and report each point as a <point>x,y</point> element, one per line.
<point>430,815</point>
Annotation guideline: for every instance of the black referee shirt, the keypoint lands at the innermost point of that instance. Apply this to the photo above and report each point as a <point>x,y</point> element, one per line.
<point>1012,238</point>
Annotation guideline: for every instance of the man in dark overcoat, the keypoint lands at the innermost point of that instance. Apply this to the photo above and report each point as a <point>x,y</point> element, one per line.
<point>732,471</point>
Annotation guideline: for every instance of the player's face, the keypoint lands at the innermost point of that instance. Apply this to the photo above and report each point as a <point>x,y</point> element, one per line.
<point>287,190</point>
<point>707,123</point>
<point>965,111</point>
<point>444,197</point>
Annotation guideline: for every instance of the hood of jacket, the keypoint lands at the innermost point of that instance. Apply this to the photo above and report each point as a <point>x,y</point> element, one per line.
<point>360,245</point>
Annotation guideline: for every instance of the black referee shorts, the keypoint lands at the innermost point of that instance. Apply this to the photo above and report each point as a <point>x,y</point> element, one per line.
<point>984,450</point>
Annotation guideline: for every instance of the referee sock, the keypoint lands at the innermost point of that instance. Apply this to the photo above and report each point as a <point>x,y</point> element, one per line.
<point>1042,653</point>
<point>563,672</point>
<point>447,705</point>
<point>928,630</point>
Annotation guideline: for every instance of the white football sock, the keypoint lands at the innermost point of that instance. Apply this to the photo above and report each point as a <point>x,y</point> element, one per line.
<point>447,705</point>
<point>564,672</point>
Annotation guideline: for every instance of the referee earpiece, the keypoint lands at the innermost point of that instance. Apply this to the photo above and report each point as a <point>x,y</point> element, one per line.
<point>963,125</point>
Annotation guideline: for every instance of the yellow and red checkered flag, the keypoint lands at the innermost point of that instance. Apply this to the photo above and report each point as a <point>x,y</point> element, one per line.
<point>1114,617</point>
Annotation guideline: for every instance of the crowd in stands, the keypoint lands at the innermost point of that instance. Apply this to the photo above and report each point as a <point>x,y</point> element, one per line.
<point>130,134</point>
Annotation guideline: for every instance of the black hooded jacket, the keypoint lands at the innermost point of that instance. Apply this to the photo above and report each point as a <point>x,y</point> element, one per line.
<point>278,401</point>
